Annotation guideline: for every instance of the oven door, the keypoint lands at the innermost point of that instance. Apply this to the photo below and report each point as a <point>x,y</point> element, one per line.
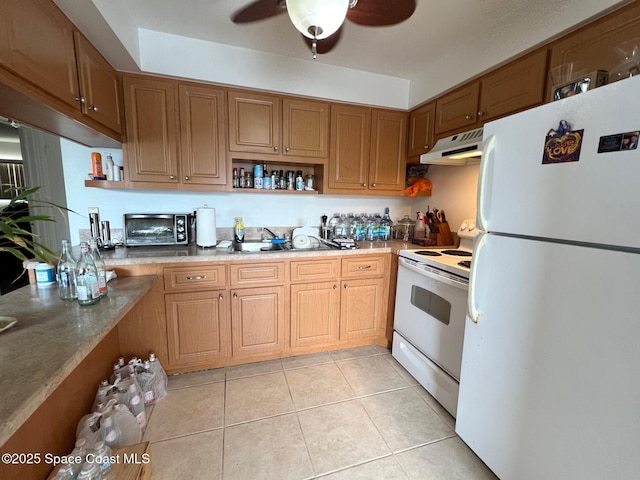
<point>430,313</point>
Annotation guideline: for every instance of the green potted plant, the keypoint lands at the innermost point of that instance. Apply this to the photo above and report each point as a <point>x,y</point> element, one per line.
<point>19,242</point>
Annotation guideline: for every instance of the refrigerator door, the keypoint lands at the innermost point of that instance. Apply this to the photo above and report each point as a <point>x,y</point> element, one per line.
<point>550,381</point>
<point>591,200</point>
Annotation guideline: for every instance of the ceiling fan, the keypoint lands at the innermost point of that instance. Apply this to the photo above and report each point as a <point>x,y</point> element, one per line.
<point>320,21</point>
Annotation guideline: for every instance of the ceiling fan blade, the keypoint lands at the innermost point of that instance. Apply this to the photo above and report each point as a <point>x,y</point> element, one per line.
<point>326,44</point>
<point>379,13</point>
<point>259,10</point>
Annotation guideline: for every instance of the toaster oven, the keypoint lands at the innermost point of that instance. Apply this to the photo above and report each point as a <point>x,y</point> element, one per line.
<point>148,229</point>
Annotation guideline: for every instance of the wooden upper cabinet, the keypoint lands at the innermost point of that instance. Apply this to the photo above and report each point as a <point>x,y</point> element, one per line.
<point>254,122</point>
<point>202,135</point>
<point>152,126</point>
<point>593,46</point>
<point>421,122</point>
<point>305,128</point>
<point>36,42</point>
<point>101,96</point>
<point>349,148</point>
<point>457,111</point>
<point>387,167</point>
<point>514,87</point>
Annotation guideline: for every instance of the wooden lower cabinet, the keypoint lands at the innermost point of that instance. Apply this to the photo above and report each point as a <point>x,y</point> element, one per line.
<point>362,309</point>
<point>257,321</point>
<point>315,314</point>
<point>197,327</point>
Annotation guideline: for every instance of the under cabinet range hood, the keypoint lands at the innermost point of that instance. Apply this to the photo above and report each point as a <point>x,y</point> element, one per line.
<point>460,149</point>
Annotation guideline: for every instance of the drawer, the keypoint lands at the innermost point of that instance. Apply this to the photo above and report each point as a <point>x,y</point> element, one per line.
<point>312,270</point>
<point>357,266</point>
<point>188,279</point>
<point>263,273</point>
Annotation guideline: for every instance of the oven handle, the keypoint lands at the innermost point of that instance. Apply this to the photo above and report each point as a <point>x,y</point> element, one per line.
<point>440,278</point>
<point>472,311</point>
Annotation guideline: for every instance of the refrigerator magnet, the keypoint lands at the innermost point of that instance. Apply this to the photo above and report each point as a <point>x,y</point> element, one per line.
<point>562,145</point>
<point>618,142</point>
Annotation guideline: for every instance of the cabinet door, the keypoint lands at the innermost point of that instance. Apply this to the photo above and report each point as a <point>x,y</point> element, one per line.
<point>305,128</point>
<point>36,42</point>
<point>257,321</point>
<point>202,135</point>
<point>349,148</point>
<point>196,327</point>
<point>362,309</point>
<point>99,86</point>
<point>514,87</point>
<point>457,110</point>
<point>151,122</point>
<point>593,46</point>
<point>254,123</point>
<point>388,155</point>
<point>315,313</point>
<point>421,129</point>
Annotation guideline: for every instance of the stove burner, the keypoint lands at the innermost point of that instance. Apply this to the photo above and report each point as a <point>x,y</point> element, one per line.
<point>428,253</point>
<point>465,263</point>
<point>457,253</point>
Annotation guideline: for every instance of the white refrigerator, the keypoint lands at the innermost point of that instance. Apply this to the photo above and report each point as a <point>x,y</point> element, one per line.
<point>550,381</point>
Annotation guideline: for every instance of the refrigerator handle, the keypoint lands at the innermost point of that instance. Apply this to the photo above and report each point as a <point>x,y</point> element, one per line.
<point>488,152</point>
<point>472,311</point>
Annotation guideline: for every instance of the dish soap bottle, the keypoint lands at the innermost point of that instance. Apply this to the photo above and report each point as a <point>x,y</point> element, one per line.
<point>238,231</point>
<point>420,226</point>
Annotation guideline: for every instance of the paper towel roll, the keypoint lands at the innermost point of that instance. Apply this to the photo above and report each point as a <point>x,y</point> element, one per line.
<point>206,227</point>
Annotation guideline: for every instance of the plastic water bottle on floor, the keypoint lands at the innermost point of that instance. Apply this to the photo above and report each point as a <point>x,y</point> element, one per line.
<point>90,471</point>
<point>136,406</point>
<point>102,456</point>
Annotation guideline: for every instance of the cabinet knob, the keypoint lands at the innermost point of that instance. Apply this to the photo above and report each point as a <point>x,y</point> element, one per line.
<point>221,297</point>
<point>93,107</point>
<point>186,177</point>
<point>468,117</point>
<point>286,149</point>
<point>80,99</point>
<point>275,148</point>
<point>335,287</point>
<point>426,147</point>
<point>364,184</point>
<point>235,295</point>
<point>172,177</point>
<point>373,185</point>
<point>346,285</point>
<point>480,113</point>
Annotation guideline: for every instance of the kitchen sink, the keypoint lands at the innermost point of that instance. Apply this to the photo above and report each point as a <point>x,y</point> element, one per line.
<point>265,247</point>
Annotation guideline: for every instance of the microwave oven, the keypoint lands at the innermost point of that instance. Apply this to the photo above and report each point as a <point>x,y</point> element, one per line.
<point>149,229</point>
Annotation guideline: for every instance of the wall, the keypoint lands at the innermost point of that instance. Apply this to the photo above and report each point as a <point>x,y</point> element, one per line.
<point>454,191</point>
<point>257,209</point>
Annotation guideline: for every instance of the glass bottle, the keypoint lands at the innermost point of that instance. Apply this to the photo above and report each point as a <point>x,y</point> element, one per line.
<point>100,266</point>
<point>87,278</point>
<point>299,180</point>
<point>66,273</point>
<point>238,231</point>
<point>235,177</point>
<point>386,226</point>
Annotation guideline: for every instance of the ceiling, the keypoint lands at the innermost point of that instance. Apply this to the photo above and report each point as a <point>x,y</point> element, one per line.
<point>439,37</point>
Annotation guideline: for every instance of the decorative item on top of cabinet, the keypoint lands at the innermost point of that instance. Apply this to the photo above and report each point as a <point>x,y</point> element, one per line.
<point>367,152</point>
<point>284,127</point>
<point>593,46</point>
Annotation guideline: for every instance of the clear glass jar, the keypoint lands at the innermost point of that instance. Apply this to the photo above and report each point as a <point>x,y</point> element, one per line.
<point>629,55</point>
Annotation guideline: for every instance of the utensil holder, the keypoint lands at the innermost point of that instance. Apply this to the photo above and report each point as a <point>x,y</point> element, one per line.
<point>444,236</point>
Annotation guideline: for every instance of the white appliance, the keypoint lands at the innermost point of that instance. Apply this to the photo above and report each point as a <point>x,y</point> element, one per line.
<point>430,310</point>
<point>460,149</point>
<point>550,383</point>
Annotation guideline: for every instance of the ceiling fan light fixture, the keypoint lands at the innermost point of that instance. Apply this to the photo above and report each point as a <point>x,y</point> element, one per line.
<point>317,19</point>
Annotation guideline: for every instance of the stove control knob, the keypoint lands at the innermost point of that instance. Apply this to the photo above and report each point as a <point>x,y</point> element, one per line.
<point>463,226</point>
<point>472,227</point>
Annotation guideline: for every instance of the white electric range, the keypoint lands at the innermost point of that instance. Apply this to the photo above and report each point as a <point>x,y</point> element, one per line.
<point>430,313</point>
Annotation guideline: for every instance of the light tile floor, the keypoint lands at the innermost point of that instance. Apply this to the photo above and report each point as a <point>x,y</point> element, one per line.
<point>345,415</point>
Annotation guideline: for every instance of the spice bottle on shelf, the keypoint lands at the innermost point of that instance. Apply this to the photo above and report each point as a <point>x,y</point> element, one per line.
<point>235,177</point>
<point>299,180</point>
<point>258,173</point>
<point>241,180</point>
<point>109,167</point>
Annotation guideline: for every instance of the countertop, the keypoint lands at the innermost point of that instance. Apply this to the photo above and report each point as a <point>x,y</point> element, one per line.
<point>50,340</point>
<point>180,254</point>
